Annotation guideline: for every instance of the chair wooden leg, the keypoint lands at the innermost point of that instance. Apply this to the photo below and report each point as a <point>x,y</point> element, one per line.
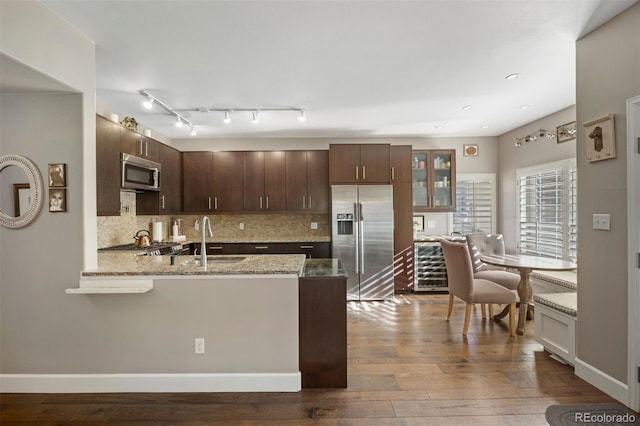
<point>450,308</point>
<point>490,310</point>
<point>512,319</point>
<point>467,317</point>
<point>484,310</point>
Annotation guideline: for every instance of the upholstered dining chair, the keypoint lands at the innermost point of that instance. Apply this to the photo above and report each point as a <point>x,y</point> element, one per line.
<point>480,244</point>
<point>463,285</point>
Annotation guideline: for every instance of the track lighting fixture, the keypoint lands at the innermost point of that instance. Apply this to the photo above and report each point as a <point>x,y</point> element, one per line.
<point>193,131</point>
<point>181,120</point>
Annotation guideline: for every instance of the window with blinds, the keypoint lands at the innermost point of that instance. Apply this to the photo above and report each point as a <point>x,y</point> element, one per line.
<point>475,204</point>
<point>547,205</point>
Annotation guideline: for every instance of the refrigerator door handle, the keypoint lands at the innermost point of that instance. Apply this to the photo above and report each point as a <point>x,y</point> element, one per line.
<point>361,239</point>
<point>356,214</point>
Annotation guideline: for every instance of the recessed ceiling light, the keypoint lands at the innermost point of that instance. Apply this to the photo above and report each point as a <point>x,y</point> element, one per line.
<point>484,127</point>
<point>512,76</point>
<point>524,107</point>
<point>467,107</point>
<point>438,127</point>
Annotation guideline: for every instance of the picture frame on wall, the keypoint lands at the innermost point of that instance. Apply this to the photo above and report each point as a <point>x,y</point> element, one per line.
<point>566,132</point>
<point>57,175</point>
<point>600,138</point>
<point>418,223</point>
<point>57,200</point>
<point>470,150</point>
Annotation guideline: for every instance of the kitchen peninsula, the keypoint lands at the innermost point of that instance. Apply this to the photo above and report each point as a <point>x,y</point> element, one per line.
<point>245,307</point>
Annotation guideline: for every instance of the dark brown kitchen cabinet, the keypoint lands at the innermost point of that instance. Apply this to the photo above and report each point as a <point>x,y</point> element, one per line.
<point>197,181</point>
<point>307,181</point>
<point>107,167</point>
<point>139,145</point>
<point>310,249</point>
<point>228,181</point>
<point>264,180</point>
<point>434,180</point>
<point>401,179</point>
<point>359,163</point>
<point>169,199</point>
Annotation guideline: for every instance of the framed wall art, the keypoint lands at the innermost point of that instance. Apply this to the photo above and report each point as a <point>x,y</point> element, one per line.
<point>418,223</point>
<point>470,150</point>
<point>58,200</point>
<point>58,175</point>
<point>600,138</point>
<point>566,132</point>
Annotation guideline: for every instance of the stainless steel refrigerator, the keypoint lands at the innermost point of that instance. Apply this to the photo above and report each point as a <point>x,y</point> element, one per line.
<point>362,238</point>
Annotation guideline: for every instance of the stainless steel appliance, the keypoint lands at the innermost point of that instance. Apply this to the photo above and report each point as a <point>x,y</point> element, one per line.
<point>139,173</point>
<point>362,238</point>
<point>429,267</point>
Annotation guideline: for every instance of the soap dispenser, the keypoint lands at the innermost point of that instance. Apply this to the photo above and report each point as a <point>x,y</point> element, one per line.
<point>175,228</point>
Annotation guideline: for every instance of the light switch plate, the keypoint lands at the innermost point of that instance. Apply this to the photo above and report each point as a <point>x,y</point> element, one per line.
<point>602,222</point>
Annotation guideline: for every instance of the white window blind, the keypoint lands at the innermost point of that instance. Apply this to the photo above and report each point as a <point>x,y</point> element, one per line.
<point>547,210</point>
<point>475,204</point>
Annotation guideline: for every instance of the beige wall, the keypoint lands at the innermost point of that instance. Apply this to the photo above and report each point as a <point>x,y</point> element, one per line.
<point>608,73</point>
<point>511,158</point>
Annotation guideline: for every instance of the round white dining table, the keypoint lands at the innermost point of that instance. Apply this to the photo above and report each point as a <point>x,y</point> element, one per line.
<point>525,264</point>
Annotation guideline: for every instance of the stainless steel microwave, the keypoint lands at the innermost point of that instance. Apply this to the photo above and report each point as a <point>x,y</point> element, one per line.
<point>140,173</point>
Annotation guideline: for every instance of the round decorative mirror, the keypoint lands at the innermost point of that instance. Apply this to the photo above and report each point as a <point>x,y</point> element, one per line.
<point>21,185</point>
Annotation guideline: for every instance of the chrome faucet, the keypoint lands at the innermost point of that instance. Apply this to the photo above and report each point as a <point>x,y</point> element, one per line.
<point>203,247</point>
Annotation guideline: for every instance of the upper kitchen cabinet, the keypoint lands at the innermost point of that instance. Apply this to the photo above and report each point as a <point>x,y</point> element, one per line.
<point>141,146</point>
<point>307,181</point>
<point>107,167</point>
<point>434,175</point>
<point>197,181</point>
<point>169,199</point>
<point>264,179</point>
<point>401,163</point>
<point>360,164</point>
<point>228,181</point>
<point>402,217</point>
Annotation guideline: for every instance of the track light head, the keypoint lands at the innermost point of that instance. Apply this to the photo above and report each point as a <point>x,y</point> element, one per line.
<point>255,119</point>
<point>303,116</point>
<point>227,117</point>
<point>148,104</point>
<point>193,131</point>
<point>178,121</point>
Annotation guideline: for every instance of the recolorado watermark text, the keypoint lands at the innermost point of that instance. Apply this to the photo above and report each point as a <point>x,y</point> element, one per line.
<point>617,418</point>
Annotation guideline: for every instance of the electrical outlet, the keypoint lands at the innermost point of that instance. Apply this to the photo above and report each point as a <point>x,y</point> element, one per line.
<point>241,226</point>
<point>199,345</point>
<point>602,222</point>
<point>314,225</point>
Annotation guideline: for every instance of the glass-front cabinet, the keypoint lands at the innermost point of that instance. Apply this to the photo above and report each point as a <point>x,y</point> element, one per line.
<point>434,180</point>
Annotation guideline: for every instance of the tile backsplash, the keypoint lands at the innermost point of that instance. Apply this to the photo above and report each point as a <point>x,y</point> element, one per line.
<point>116,230</point>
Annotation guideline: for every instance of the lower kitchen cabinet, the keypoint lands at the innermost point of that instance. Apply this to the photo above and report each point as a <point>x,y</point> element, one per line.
<point>311,250</point>
<point>323,331</point>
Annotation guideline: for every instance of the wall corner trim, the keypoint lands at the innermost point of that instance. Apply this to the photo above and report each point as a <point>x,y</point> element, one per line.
<point>603,381</point>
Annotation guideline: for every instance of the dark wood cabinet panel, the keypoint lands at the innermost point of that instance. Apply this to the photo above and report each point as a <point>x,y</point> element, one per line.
<point>253,180</point>
<point>434,180</point>
<point>402,236</point>
<point>139,145</point>
<point>307,176</point>
<point>264,180</point>
<point>344,163</point>
<point>107,167</point>
<point>319,250</point>
<point>400,163</point>
<point>197,181</point>
<point>228,181</point>
<point>318,181</point>
<point>374,161</point>
<point>274,181</point>
<point>359,163</point>
<point>323,332</point>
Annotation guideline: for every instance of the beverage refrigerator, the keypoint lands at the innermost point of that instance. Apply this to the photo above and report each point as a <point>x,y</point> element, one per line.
<point>362,238</point>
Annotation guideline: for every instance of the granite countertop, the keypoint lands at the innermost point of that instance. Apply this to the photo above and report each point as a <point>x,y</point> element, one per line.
<point>127,263</point>
<point>323,268</point>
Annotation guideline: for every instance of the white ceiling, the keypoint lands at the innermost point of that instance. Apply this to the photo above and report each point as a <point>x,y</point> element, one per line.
<point>359,68</point>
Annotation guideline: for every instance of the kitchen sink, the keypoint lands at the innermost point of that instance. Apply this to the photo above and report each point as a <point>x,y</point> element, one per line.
<point>215,260</point>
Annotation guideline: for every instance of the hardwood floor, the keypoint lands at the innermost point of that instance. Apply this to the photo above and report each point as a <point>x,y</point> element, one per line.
<point>407,366</point>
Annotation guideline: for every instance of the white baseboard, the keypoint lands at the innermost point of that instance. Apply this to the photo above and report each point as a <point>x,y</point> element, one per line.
<point>99,383</point>
<point>602,381</point>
